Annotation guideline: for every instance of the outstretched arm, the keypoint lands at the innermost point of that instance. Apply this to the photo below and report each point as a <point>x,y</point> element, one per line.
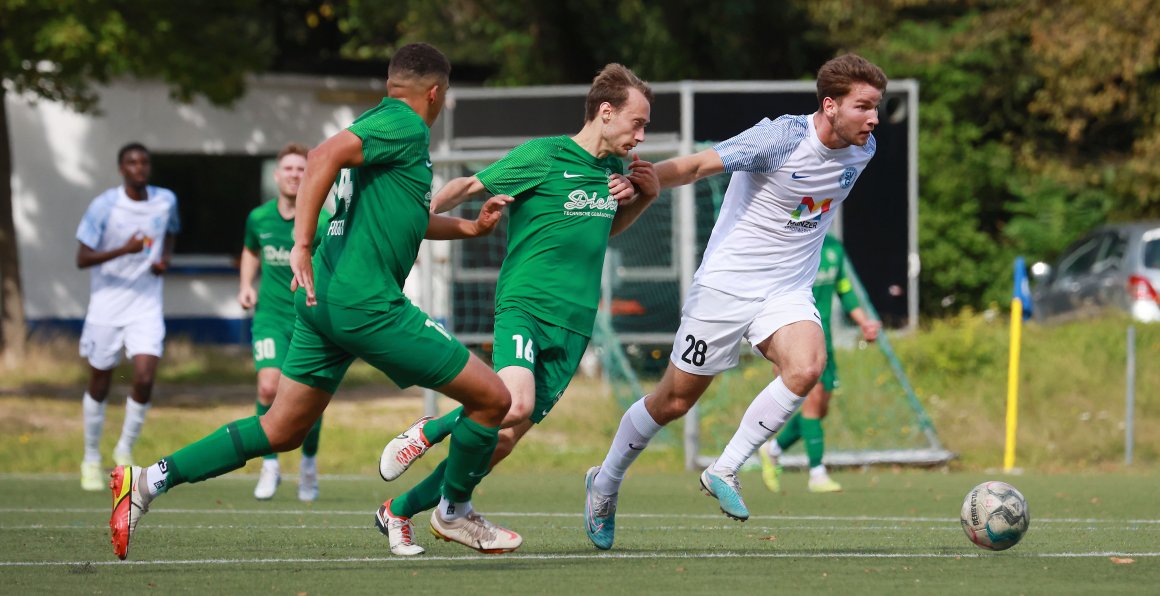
<point>445,227</point>
<point>455,192</point>
<point>343,150</point>
<point>687,169</point>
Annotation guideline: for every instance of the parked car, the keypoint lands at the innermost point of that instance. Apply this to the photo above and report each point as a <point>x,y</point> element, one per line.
<point>1113,266</point>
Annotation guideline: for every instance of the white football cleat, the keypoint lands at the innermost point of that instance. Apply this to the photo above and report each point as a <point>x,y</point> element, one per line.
<point>268,480</point>
<point>473,531</point>
<point>403,450</point>
<point>400,532</point>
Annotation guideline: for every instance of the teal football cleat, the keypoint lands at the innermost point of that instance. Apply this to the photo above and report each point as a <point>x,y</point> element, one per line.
<point>726,488</point>
<point>599,513</point>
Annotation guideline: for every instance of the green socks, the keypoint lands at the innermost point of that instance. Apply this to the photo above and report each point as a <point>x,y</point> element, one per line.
<point>809,429</point>
<point>224,450</point>
<point>437,429</point>
<point>468,459</point>
<point>815,440</point>
<point>261,409</point>
<point>791,432</point>
<point>423,496</point>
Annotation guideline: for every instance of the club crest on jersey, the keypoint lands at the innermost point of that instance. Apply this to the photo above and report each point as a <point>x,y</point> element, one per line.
<point>590,205</point>
<point>847,177</point>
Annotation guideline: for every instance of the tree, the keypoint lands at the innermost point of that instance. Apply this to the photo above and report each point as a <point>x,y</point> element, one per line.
<point>61,49</point>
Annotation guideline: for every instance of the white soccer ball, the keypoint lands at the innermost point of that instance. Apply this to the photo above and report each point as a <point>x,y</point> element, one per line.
<point>995,515</point>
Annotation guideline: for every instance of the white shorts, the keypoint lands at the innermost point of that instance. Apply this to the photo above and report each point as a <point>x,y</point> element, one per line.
<point>713,324</point>
<point>102,344</point>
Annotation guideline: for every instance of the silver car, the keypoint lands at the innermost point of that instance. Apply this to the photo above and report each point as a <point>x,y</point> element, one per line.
<point>1113,266</point>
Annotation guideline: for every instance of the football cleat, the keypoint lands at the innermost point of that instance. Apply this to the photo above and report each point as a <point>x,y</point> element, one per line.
<point>308,482</point>
<point>128,506</point>
<point>268,480</point>
<point>599,513</point>
<point>92,476</point>
<point>473,531</point>
<point>726,488</point>
<point>403,450</point>
<point>770,470</point>
<point>823,484</point>
<point>400,532</point>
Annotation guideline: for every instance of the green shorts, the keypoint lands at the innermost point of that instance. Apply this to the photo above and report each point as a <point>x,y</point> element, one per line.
<point>552,354</point>
<point>271,341</point>
<point>403,342</point>
<point>829,378</point>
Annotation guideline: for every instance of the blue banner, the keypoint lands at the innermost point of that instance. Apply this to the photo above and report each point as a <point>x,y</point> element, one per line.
<point>1022,287</point>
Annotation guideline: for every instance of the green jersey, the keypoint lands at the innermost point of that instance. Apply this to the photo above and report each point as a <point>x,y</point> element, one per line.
<point>271,236</point>
<point>832,278</point>
<point>557,232</point>
<point>381,212</point>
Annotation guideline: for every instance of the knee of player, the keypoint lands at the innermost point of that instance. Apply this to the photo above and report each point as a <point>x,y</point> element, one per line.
<point>519,411</point>
<point>803,374</point>
<point>267,392</point>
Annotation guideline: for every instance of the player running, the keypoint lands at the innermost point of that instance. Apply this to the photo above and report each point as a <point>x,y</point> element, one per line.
<point>356,307</point>
<point>125,239</point>
<point>269,238</point>
<point>788,176</point>
<point>549,287</point>
<point>806,424</point>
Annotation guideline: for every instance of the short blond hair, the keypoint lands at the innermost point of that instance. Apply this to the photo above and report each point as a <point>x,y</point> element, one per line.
<point>292,148</point>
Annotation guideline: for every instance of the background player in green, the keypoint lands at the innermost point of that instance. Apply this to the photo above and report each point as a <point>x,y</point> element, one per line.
<point>565,210</point>
<point>356,308</point>
<point>806,424</point>
<point>268,241</point>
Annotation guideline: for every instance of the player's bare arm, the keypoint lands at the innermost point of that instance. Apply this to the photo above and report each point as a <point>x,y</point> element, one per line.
<point>643,177</point>
<point>454,193</point>
<point>445,227</point>
<point>869,326</point>
<point>88,256</point>
<point>343,150</point>
<point>687,169</point>
<point>248,267</point>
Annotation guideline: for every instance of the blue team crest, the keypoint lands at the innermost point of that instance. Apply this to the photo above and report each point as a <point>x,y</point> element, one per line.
<point>847,177</point>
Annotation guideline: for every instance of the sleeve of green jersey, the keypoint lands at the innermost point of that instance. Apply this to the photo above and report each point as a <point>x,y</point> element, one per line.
<point>521,170</point>
<point>390,135</point>
<point>251,240</point>
<point>844,287</point>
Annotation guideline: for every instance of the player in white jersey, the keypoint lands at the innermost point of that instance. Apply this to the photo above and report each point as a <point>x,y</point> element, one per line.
<point>755,279</point>
<point>125,240</point>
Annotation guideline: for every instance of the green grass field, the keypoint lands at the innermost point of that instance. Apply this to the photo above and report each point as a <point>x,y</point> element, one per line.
<point>895,532</point>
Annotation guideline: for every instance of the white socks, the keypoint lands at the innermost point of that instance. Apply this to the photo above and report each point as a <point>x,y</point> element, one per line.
<point>774,449</point>
<point>765,416</point>
<point>452,511</point>
<point>154,476</point>
<point>134,420</point>
<point>637,428</point>
<point>309,464</point>
<point>94,416</point>
<point>818,471</point>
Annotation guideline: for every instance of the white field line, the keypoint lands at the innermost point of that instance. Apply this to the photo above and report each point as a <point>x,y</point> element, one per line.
<point>620,515</point>
<point>587,557</point>
<point>944,527</point>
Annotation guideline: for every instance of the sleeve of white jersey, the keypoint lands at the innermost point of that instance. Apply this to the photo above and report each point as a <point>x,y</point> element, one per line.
<point>174,225</point>
<point>92,225</point>
<point>764,147</point>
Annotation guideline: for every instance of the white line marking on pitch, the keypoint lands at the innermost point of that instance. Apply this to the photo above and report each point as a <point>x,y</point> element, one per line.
<point>585,557</point>
<point>621,515</point>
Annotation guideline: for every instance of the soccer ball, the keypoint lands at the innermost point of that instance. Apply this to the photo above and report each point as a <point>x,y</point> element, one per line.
<point>995,515</point>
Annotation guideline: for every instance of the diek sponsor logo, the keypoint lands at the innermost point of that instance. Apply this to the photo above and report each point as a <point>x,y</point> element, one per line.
<point>582,203</point>
<point>277,256</point>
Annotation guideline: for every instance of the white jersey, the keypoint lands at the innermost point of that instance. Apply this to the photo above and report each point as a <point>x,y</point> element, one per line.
<point>124,289</point>
<point>781,199</point>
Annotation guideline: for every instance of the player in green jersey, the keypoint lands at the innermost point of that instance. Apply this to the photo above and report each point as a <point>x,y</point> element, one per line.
<point>806,424</point>
<point>564,212</point>
<point>268,241</point>
<point>355,307</point>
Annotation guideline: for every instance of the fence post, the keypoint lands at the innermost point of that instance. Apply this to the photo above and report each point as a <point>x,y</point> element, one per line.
<point>1129,417</point>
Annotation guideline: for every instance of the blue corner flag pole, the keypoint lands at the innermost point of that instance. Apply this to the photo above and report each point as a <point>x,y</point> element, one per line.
<point>1022,287</point>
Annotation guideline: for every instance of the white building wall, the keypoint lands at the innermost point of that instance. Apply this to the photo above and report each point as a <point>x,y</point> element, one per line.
<point>62,159</point>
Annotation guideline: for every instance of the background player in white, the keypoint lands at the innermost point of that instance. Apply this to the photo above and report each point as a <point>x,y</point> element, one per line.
<point>754,282</point>
<point>126,240</point>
